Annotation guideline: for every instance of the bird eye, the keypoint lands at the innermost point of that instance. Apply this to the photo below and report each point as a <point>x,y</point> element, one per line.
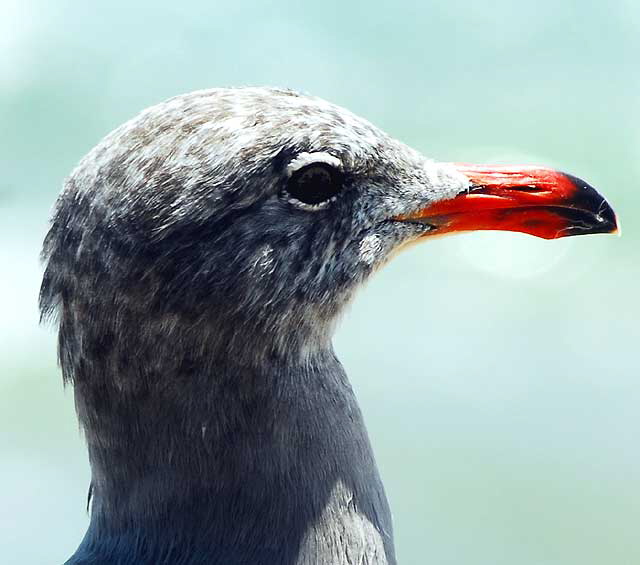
<point>315,183</point>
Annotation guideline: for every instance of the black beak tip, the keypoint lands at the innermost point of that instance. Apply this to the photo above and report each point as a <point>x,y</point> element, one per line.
<point>593,214</point>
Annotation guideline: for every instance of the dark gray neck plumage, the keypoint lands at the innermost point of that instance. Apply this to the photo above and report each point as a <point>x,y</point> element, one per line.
<point>220,464</point>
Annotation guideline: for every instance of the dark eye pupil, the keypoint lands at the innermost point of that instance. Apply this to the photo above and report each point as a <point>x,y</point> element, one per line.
<point>314,184</point>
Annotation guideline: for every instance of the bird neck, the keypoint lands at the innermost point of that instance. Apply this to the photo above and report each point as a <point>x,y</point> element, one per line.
<point>222,463</point>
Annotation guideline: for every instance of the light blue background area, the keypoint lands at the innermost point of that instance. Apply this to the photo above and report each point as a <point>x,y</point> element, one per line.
<point>498,373</point>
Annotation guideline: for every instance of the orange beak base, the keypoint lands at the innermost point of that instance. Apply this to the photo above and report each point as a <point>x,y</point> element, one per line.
<point>529,199</point>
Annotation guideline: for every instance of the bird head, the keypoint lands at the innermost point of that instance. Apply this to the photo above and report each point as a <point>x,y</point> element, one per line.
<point>260,211</point>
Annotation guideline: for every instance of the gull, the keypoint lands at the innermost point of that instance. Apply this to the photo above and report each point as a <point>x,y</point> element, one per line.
<point>197,262</point>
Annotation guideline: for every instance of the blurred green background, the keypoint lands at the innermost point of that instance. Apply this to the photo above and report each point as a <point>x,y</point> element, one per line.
<point>498,373</point>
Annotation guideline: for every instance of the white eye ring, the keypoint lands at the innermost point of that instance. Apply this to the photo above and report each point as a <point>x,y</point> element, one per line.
<point>311,207</point>
<point>304,159</point>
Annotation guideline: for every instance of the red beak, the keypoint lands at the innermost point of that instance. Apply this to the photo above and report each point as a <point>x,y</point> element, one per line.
<point>522,198</point>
